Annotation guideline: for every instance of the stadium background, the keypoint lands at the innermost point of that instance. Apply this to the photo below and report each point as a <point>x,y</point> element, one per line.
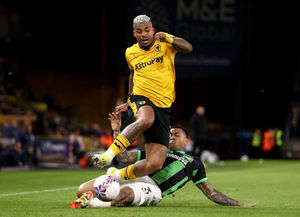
<point>243,69</point>
<point>71,56</point>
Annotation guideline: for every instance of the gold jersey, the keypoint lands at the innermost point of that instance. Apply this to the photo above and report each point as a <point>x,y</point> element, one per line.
<point>153,72</point>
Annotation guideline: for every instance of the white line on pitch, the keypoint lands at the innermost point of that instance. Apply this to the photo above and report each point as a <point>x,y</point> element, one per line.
<point>36,192</point>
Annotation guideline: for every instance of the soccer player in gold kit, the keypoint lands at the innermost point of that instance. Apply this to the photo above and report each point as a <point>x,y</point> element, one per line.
<point>151,94</point>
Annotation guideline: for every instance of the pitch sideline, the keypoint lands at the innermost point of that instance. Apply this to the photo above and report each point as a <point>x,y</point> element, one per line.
<point>36,192</point>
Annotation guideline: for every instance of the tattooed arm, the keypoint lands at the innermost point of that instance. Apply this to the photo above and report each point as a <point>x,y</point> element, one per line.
<point>115,122</point>
<point>218,197</point>
<point>130,88</point>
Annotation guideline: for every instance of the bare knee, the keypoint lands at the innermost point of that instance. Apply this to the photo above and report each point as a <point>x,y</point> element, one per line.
<point>157,166</point>
<point>154,166</point>
<point>145,122</point>
<point>85,187</point>
<point>81,190</point>
<point>145,117</point>
<point>156,156</point>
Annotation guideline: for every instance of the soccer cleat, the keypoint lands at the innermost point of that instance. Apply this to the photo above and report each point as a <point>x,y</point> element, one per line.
<point>111,171</point>
<point>83,201</point>
<point>100,160</point>
<point>75,204</point>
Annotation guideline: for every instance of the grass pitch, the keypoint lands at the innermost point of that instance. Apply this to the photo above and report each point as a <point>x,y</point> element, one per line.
<point>273,185</point>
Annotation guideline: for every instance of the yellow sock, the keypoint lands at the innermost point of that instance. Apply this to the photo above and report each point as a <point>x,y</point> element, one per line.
<point>120,144</point>
<point>127,173</point>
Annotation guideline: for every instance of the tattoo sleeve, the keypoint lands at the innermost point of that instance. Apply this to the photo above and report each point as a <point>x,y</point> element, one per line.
<point>216,196</point>
<point>116,133</point>
<point>182,45</point>
<point>127,156</point>
<point>130,88</point>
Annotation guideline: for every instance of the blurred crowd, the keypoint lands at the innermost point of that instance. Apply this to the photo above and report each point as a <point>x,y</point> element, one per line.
<point>26,116</point>
<point>214,142</point>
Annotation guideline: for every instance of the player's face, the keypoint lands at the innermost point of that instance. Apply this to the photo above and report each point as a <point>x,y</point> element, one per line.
<point>143,33</point>
<point>177,139</point>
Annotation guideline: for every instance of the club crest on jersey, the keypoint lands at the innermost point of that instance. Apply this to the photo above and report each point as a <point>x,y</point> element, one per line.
<point>142,102</point>
<point>157,48</point>
<point>142,65</point>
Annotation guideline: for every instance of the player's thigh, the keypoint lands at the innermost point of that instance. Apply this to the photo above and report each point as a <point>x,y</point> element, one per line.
<point>145,194</point>
<point>159,132</point>
<point>141,108</point>
<point>85,187</point>
<point>146,115</point>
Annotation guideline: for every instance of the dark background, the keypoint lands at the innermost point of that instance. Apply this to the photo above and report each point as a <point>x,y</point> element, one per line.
<point>90,38</point>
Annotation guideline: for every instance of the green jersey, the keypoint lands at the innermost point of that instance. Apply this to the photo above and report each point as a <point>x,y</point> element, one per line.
<point>178,169</point>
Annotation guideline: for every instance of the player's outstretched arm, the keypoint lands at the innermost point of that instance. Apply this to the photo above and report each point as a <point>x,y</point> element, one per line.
<point>124,156</point>
<point>115,123</point>
<point>182,45</point>
<point>124,107</point>
<point>130,85</point>
<point>178,43</point>
<point>218,197</point>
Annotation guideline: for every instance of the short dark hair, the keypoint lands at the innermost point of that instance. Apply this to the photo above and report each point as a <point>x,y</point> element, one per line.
<point>181,127</point>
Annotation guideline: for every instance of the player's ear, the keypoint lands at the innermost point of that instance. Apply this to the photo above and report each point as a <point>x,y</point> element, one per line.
<point>134,34</point>
<point>185,141</point>
<point>153,30</point>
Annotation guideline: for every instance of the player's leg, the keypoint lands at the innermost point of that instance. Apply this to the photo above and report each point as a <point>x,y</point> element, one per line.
<point>155,158</point>
<point>125,198</point>
<point>86,199</point>
<point>144,120</point>
<point>133,194</point>
<point>144,115</point>
<point>157,143</point>
<point>85,193</point>
<point>141,194</point>
<point>85,187</point>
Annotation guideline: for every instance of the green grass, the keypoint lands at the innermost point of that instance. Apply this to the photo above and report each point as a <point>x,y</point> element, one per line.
<point>273,185</point>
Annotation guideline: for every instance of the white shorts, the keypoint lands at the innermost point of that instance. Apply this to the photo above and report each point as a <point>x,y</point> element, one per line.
<point>146,193</point>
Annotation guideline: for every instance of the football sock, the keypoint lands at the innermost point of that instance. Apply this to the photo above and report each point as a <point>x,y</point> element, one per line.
<point>127,173</point>
<point>95,203</point>
<point>120,144</point>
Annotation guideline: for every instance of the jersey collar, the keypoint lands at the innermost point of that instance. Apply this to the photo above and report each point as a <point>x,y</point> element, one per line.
<point>182,152</point>
<point>149,47</point>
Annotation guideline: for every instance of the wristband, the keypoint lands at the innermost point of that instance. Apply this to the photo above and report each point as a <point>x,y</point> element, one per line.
<point>169,38</point>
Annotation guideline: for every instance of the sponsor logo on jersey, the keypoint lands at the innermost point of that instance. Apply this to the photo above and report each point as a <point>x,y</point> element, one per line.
<point>157,48</point>
<point>184,159</point>
<point>142,65</point>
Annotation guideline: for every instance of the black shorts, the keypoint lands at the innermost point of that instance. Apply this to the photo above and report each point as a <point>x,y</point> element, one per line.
<point>159,132</point>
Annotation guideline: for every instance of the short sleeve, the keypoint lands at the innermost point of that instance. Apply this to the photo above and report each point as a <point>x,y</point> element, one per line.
<point>141,155</point>
<point>171,49</point>
<point>199,175</point>
<point>127,60</point>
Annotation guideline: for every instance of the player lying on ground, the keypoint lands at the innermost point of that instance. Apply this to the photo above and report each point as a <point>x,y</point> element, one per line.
<point>178,169</point>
